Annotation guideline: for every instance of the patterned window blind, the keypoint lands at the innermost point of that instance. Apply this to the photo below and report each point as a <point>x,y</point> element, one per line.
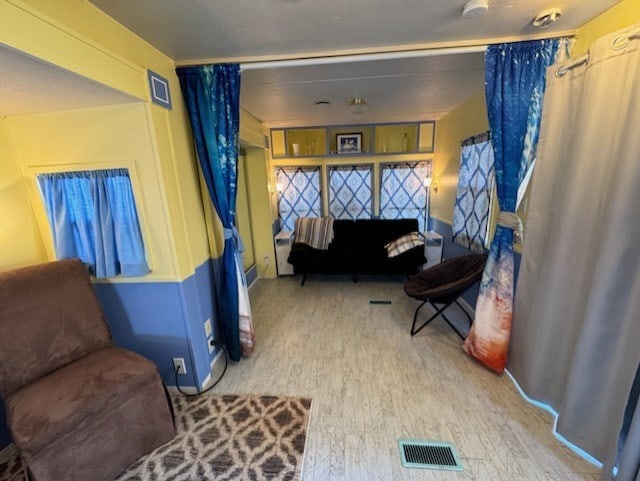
<point>299,194</point>
<point>402,191</point>
<point>473,197</point>
<point>351,191</point>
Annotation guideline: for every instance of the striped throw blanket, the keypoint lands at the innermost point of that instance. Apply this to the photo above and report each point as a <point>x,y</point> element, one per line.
<point>314,231</point>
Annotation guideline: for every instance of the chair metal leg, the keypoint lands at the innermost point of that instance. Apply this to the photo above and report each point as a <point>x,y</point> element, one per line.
<point>304,278</point>
<point>25,468</point>
<point>465,312</point>
<point>439,311</point>
<point>460,335</point>
<point>452,326</point>
<point>415,318</point>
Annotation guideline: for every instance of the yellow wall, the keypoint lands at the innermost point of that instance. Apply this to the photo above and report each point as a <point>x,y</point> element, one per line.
<point>258,175</point>
<point>99,138</point>
<point>77,36</point>
<point>467,119</point>
<point>20,242</point>
<point>625,13</point>
<point>251,130</point>
<point>243,215</point>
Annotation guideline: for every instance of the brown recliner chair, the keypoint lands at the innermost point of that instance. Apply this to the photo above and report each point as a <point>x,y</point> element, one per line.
<point>78,408</point>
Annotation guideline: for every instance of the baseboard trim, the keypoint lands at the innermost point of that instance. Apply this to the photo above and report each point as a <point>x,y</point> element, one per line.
<point>251,275</point>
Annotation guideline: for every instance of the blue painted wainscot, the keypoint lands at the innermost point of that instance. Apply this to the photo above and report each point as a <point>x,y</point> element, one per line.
<point>163,320</point>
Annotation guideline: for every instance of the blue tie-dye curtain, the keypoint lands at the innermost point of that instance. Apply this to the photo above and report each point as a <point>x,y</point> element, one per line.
<point>212,97</point>
<point>515,83</point>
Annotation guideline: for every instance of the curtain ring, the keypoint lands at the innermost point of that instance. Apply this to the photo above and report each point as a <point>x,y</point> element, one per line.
<point>562,71</point>
<point>620,42</point>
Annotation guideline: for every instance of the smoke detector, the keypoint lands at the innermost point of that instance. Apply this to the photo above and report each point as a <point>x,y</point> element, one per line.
<point>547,17</point>
<point>475,8</point>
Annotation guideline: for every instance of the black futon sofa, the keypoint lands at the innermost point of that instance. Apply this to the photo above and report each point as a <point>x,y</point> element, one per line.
<point>358,247</point>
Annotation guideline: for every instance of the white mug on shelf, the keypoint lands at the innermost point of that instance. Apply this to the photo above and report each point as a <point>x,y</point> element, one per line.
<point>296,149</point>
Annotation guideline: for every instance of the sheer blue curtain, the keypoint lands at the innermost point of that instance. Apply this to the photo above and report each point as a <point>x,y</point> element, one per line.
<point>515,83</point>
<point>93,216</point>
<point>212,97</point>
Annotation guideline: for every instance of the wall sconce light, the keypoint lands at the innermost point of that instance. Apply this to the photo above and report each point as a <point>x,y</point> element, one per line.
<point>427,206</point>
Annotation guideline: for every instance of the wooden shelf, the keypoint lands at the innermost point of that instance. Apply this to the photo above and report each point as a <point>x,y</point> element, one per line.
<point>378,139</point>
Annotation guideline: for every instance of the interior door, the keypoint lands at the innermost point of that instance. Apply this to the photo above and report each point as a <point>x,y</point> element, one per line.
<point>243,216</point>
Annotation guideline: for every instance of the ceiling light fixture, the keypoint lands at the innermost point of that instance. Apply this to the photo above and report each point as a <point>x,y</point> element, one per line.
<point>357,105</point>
<point>475,8</point>
<point>547,17</point>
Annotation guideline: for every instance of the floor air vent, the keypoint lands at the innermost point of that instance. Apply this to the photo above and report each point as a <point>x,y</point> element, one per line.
<point>429,455</point>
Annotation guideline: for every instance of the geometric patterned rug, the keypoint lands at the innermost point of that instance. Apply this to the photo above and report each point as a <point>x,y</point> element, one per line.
<point>225,438</point>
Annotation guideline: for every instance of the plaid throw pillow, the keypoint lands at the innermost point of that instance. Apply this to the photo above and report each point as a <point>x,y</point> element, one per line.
<point>314,231</point>
<point>403,244</point>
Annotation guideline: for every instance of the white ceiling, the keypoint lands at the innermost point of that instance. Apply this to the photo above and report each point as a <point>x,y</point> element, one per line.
<point>207,31</point>
<point>32,86</point>
<point>397,90</point>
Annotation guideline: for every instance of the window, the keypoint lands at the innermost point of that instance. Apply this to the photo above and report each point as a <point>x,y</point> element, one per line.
<point>93,216</point>
<point>298,194</point>
<point>473,197</point>
<point>350,192</point>
<point>402,191</point>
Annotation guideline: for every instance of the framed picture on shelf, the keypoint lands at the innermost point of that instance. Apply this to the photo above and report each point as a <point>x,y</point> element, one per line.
<point>349,143</point>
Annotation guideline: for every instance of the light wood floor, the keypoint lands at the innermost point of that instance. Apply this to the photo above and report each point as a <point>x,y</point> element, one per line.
<point>372,384</point>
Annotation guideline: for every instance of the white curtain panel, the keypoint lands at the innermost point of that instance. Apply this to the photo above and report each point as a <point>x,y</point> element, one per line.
<point>576,328</point>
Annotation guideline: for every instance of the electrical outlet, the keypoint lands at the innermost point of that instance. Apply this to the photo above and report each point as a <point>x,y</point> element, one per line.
<point>212,344</point>
<point>207,328</point>
<point>179,365</point>
<point>266,260</point>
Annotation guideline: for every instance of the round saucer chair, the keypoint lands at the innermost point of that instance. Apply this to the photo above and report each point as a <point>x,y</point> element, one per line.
<point>442,285</point>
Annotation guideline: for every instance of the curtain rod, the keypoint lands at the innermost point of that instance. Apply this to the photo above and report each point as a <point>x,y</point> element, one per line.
<point>366,57</point>
<point>362,55</point>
